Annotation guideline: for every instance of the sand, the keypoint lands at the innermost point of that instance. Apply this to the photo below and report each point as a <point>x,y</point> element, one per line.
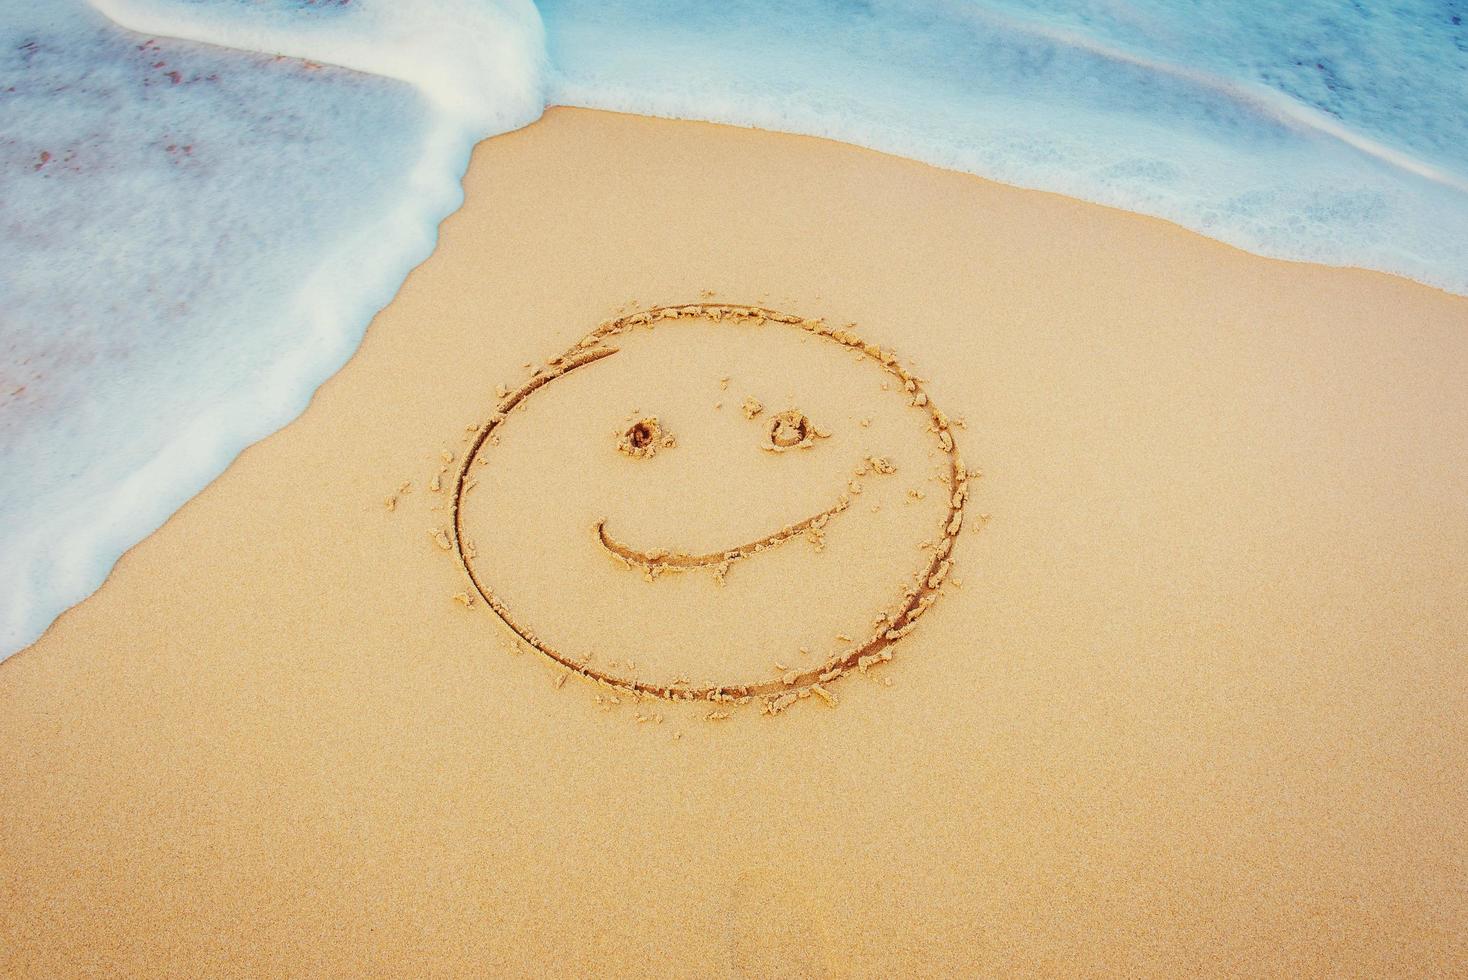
<point>1191,696</point>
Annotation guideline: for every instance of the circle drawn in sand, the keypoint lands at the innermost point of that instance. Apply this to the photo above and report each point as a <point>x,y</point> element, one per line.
<point>787,431</point>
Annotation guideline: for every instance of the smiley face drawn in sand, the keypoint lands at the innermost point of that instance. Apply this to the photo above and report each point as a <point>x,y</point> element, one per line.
<point>712,502</point>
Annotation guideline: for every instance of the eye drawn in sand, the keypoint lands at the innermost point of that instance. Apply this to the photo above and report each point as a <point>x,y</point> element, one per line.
<point>645,440</point>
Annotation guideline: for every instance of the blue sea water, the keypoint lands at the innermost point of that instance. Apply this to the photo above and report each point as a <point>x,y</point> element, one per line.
<point>202,202</point>
<point>1213,115</point>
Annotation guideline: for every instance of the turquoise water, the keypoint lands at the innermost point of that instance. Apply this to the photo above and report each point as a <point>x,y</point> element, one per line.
<point>1212,115</point>
<point>195,230</point>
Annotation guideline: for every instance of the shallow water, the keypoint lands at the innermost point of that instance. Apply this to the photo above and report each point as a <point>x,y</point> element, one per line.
<point>195,232</point>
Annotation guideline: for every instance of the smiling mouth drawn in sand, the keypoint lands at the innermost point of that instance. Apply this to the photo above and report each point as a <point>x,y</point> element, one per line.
<point>650,448</point>
<point>664,559</point>
<point>790,429</point>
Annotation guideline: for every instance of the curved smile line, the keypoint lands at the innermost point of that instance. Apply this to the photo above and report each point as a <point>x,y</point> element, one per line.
<point>661,560</point>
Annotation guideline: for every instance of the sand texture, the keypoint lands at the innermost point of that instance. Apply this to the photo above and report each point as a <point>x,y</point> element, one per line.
<point>736,554</point>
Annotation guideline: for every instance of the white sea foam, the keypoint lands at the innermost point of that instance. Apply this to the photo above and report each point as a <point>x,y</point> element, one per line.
<point>192,239</point>
<point>478,61</point>
<point>194,230</point>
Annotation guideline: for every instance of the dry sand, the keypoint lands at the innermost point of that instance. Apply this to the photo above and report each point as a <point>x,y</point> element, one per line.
<point>1195,701</point>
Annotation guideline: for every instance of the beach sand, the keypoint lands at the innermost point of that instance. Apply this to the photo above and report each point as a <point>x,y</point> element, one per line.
<point>1191,699</point>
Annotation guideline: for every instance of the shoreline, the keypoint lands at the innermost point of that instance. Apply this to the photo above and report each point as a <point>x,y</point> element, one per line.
<point>181,448</point>
<point>1196,704</point>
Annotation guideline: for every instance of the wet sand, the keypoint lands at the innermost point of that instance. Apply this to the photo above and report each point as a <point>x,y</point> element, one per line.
<point>1191,697</point>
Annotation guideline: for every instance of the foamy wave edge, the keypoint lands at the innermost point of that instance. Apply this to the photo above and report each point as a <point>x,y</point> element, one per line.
<point>56,566</point>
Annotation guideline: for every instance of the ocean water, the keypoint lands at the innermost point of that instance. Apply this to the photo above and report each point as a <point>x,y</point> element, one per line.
<point>203,202</point>
<point>1214,115</point>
